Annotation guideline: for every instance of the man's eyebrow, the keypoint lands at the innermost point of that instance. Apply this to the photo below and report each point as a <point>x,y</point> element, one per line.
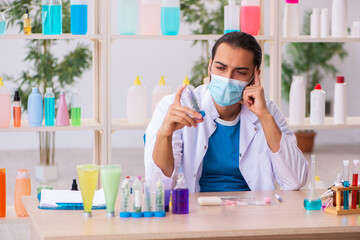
<point>238,68</point>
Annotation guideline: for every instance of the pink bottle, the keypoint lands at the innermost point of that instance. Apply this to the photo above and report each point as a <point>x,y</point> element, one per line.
<point>5,106</point>
<point>62,116</point>
<point>250,17</point>
<point>150,17</point>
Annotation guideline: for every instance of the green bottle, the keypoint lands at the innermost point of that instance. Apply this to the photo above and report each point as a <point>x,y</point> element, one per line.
<point>75,108</point>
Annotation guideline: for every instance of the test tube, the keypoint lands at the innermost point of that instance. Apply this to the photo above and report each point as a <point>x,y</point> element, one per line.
<point>346,183</point>
<point>148,199</point>
<point>191,99</point>
<point>355,183</point>
<point>125,198</point>
<point>160,199</point>
<point>137,199</point>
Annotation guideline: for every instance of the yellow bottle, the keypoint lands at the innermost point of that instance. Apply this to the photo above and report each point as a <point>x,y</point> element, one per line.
<point>27,23</point>
<point>88,178</point>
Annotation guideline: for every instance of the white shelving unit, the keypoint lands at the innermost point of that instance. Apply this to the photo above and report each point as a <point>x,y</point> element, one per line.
<point>102,123</point>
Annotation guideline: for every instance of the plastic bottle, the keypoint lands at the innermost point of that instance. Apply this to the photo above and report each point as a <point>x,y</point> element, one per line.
<point>297,101</point>
<point>315,23</point>
<point>339,18</point>
<point>62,115</point>
<point>22,188</point>
<point>2,24</point>
<point>250,17</point>
<point>125,199</point>
<point>27,23</point>
<point>160,198</point>
<point>231,17</point>
<point>355,29</point>
<point>137,103</point>
<point>180,196</point>
<point>340,104</point>
<point>137,199</point>
<point>35,108</point>
<point>75,108</point>
<point>49,100</point>
<point>159,92</point>
<point>187,82</point>
<point>2,192</point>
<point>325,25</point>
<point>51,16</point>
<point>317,105</point>
<point>5,106</point>
<point>128,17</point>
<point>79,17</point>
<point>17,110</point>
<point>170,17</point>
<point>291,18</point>
<point>150,17</point>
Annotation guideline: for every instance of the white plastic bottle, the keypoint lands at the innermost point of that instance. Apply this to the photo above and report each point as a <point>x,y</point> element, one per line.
<point>231,17</point>
<point>187,82</point>
<point>159,92</point>
<point>339,19</point>
<point>5,106</point>
<point>317,105</point>
<point>137,103</point>
<point>340,101</point>
<point>297,101</point>
<point>315,23</point>
<point>291,18</point>
<point>325,26</point>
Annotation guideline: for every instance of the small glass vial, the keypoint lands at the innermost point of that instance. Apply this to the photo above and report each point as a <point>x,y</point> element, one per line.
<point>125,200</point>
<point>190,98</point>
<point>137,191</point>
<point>148,199</point>
<point>180,196</point>
<point>159,198</point>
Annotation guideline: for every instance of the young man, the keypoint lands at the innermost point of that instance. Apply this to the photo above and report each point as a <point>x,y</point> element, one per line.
<point>243,143</point>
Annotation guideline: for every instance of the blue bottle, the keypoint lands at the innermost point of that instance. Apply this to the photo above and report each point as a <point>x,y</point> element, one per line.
<point>49,100</point>
<point>2,24</point>
<point>170,17</point>
<point>128,17</point>
<point>79,17</point>
<point>51,15</point>
<point>35,108</point>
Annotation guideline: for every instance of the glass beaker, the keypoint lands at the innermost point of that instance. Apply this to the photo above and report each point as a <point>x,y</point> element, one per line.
<point>88,178</point>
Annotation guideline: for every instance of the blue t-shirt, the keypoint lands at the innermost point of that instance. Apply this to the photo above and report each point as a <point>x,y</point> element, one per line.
<point>220,172</point>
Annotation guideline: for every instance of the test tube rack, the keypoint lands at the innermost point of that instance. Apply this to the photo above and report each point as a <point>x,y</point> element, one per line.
<point>339,209</point>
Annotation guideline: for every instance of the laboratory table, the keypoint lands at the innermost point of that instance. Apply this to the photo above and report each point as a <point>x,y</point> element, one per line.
<point>284,220</point>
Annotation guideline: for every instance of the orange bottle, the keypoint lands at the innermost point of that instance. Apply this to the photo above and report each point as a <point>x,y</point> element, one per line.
<point>2,192</point>
<point>22,188</point>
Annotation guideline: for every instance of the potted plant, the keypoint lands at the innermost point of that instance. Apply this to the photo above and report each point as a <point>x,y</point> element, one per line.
<point>313,61</point>
<point>48,70</point>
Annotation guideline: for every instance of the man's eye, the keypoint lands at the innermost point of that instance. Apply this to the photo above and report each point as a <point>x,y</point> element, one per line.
<point>242,73</point>
<point>220,68</point>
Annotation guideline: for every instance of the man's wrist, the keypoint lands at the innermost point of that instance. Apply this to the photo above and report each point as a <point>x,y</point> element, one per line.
<point>266,116</point>
<point>162,134</point>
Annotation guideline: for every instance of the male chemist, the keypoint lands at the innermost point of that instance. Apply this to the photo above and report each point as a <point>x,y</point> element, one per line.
<point>243,143</point>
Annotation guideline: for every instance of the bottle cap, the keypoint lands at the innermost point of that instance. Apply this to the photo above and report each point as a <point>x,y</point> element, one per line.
<point>298,78</point>
<point>317,178</point>
<point>162,80</point>
<point>1,82</point>
<point>346,162</point>
<point>17,96</point>
<point>186,81</point>
<point>22,173</point>
<point>316,11</point>
<point>49,90</point>
<point>125,214</point>
<point>35,89</point>
<point>160,214</point>
<point>74,186</point>
<point>356,162</point>
<point>340,79</point>
<point>292,1</point>
<point>136,215</point>
<point>318,87</point>
<point>232,2</point>
<point>137,81</point>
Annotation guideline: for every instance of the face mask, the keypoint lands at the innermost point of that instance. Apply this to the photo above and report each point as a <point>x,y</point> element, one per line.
<point>226,91</point>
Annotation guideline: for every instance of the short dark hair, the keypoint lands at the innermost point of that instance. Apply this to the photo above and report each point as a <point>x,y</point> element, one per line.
<point>241,40</point>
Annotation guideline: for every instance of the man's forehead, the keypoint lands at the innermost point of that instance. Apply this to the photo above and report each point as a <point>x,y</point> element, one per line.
<point>236,56</point>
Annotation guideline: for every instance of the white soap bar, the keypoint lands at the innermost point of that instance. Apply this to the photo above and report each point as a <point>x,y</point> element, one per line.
<point>209,201</point>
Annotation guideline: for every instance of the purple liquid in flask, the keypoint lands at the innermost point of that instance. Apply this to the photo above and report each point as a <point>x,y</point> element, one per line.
<point>180,197</point>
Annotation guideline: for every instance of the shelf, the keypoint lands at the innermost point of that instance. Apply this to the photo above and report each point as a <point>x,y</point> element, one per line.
<point>123,124</point>
<point>86,125</point>
<point>179,37</point>
<point>310,39</point>
<point>351,123</point>
<point>54,37</point>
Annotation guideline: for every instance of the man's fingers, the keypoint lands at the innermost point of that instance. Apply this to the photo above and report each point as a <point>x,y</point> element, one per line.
<point>256,77</point>
<point>178,94</point>
<point>186,117</point>
<point>189,111</point>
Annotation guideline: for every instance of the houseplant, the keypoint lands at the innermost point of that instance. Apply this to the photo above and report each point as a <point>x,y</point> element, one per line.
<point>48,70</point>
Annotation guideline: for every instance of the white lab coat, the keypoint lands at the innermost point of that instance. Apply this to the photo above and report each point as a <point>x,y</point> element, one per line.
<point>257,163</point>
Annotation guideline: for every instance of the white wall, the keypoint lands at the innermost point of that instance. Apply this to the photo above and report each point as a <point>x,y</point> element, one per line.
<point>152,59</point>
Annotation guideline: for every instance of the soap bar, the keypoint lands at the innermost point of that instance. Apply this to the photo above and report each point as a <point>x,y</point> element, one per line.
<point>209,201</point>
